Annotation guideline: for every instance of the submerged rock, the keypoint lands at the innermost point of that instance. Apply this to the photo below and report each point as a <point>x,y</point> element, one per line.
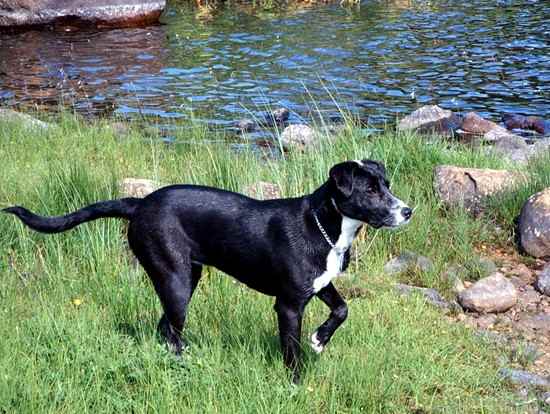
<point>494,293</point>
<point>534,224</point>
<point>532,123</point>
<point>81,13</point>
<point>431,119</point>
<point>457,186</point>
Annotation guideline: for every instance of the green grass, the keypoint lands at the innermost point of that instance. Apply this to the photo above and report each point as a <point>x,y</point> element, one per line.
<point>79,319</point>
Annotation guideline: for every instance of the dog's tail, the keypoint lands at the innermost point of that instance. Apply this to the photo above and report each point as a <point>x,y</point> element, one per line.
<point>123,208</point>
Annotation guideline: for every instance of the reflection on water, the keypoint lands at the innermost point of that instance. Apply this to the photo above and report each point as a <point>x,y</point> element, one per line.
<point>378,61</point>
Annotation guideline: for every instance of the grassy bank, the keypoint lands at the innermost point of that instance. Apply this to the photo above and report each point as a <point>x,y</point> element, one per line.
<point>79,318</point>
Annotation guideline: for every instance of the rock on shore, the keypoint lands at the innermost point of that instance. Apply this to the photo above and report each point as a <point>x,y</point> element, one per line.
<point>534,224</point>
<point>98,13</point>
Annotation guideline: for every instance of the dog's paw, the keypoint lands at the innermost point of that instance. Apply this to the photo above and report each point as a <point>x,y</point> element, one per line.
<point>316,344</point>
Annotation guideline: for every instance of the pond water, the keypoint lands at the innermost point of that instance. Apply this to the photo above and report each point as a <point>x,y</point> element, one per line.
<point>378,60</point>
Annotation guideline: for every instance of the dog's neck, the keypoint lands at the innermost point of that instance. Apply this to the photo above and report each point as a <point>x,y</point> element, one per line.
<point>324,207</point>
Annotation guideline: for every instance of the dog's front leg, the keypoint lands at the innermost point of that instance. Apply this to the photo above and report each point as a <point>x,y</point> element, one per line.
<point>290,330</point>
<point>338,314</point>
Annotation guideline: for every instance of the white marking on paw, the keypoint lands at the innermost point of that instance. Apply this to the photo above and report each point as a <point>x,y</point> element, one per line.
<point>359,162</point>
<point>316,344</point>
<point>335,257</point>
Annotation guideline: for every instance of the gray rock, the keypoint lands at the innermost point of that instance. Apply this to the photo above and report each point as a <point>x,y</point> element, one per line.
<point>539,323</point>
<point>497,133</point>
<point>468,187</point>
<point>534,224</point>
<point>513,147</point>
<point>298,136</point>
<point>431,119</point>
<point>280,115</point>
<point>137,187</point>
<point>408,261</point>
<point>246,125</point>
<point>494,293</point>
<point>263,190</point>
<point>432,296</point>
<point>99,13</point>
<point>545,397</point>
<point>543,281</point>
<point>519,377</point>
<point>27,121</point>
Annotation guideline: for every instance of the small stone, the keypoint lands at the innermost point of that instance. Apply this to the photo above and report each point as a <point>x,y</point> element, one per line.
<point>407,261</point>
<point>494,293</point>
<point>280,115</point>
<point>432,296</point>
<point>263,190</point>
<point>486,321</point>
<point>298,135</point>
<point>543,281</point>
<point>246,125</point>
<point>520,377</point>
<point>137,187</point>
<point>545,398</point>
<point>534,224</point>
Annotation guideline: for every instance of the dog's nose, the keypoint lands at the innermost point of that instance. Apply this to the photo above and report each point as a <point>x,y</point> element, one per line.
<point>407,212</point>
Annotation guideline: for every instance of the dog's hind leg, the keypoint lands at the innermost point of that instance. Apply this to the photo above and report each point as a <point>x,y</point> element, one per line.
<point>166,258</point>
<point>290,330</point>
<point>338,314</point>
<point>175,309</point>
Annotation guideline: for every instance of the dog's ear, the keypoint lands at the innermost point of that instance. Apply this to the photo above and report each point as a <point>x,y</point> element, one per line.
<point>375,165</point>
<point>342,177</point>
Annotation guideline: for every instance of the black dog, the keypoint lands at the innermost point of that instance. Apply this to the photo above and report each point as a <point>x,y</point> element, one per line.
<point>288,248</point>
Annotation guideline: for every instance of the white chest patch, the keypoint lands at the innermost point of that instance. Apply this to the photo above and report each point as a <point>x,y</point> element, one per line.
<point>335,257</point>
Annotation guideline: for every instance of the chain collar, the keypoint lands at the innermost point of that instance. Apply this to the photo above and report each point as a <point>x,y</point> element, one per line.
<point>323,232</point>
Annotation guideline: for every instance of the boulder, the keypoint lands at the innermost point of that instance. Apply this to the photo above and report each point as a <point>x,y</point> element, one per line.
<point>492,294</point>
<point>543,281</point>
<point>498,133</point>
<point>534,224</point>
<point>431,119</point>
<point>98,13</point>
<point>263,190</point>
<point>532,123</point>
<point>457,186</point>
<point>137,187</point>
<point>27,121</point>
<point>408,261</point>
<point>475,124</point>
<point>298,136</point>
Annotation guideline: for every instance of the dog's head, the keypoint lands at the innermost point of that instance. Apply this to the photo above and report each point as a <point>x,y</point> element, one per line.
<point>361,191</point>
